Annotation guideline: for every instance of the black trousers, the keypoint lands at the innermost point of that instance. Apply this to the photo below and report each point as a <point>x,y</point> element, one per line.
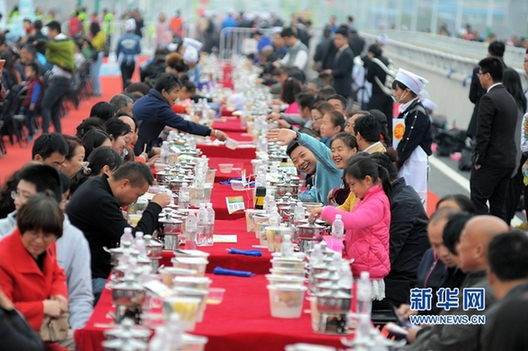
<point>515,189</point>
<point>490,183</point>
<point>127,70</point>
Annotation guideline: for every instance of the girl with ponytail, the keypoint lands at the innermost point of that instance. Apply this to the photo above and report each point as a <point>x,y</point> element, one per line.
<point>367,225</point>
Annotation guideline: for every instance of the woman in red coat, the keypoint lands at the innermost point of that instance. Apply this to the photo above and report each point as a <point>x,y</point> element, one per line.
<point>29,273</point>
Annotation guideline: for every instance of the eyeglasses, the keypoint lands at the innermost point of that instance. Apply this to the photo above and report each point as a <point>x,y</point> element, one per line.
<point>480,74</point>
<point>15,194</point>
<point>45,237</point>
<point>317,119</point>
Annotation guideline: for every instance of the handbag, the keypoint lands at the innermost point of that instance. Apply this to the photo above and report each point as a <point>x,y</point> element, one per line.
<point>54,329</point>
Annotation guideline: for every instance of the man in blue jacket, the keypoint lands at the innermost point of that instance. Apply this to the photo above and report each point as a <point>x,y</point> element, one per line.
<point>154,112</point>
<point>127,51</point>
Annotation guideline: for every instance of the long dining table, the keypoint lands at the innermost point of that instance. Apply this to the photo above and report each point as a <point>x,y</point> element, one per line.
<point>243,320</point>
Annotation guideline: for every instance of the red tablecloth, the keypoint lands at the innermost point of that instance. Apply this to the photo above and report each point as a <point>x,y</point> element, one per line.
<point>238,165</point>
<point>219,256</point>
<point>218,198</point>
<point>242,152</point>
<point>241,322</point>
<point>228,124</point>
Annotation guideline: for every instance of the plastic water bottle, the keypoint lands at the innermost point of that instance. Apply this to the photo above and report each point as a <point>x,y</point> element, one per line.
<point>286,248</point>
<point>364,294</point>
<point>298,214</point>
<point>202,226</point>
<point>317,256</point>
<point>337,234</point>
<point>275,217</point>
<point>183,197</point>
<point>190,232</point>
<point>127,238</point>
<point>139,244</point>
<point>211,222</point>
<point>164,152</point>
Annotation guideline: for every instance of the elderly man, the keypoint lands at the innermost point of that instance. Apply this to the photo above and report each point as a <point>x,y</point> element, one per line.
<point>122,103</point>
<point>472,258</point>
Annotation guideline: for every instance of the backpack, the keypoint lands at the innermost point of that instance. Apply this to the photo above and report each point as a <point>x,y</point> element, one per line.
<point>391,71</point>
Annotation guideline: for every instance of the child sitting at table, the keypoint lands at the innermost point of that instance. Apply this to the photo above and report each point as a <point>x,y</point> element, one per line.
<point>333,123</point>
<point>367,226</point>
<point>342,148</point>
<point>31,103</point>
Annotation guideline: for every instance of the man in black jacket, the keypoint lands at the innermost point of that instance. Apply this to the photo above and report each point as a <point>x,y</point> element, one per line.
<point>408,237</point>
<point>95,208</point>
<point>495,149</point>
<point>495,49</point>
<point>343,64</point>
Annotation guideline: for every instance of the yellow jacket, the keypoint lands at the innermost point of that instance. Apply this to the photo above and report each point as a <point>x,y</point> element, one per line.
<point>98,42</point>
<point>349,203</point>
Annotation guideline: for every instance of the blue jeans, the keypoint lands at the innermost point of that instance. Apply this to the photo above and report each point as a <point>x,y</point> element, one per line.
<point>95,68</point>
<point>29,116</point>
<point>98,284</point>
<point>51,103</point>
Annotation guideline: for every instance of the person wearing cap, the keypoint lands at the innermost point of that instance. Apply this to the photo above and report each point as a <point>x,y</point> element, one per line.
<point>191,57</point>
<point>415,145</point>
<point>127,50</point>
<point>494,157</point>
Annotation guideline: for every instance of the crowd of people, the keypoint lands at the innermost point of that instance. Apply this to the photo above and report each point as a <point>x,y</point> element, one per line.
<point>52,258</point>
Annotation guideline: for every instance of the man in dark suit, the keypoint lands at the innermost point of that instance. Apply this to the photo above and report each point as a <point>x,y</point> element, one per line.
<point>343,64</point>
<point>495,150</point>
<point>495,49</point>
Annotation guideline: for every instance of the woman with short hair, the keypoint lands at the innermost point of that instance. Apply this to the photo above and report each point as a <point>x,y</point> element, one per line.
<point>29,273</point>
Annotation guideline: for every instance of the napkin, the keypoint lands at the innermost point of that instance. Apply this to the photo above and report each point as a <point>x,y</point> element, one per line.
<point>254,253</point>
<point>223,271</point>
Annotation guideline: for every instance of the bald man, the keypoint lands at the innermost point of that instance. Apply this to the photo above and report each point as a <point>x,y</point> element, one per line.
<point>473,259</point>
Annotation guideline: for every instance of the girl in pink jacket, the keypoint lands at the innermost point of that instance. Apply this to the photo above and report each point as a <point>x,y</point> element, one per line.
<point>367,225</point>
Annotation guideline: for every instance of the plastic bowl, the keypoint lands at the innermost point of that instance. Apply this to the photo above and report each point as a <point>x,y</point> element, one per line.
<point>195,263</point>
<point>225,167</point>
<point>288,263</point>
<point>215,296</point>
<point>193,342</point>
<point>284,279</point>
<point>286,301</point>
<point>237,185</point>
<point>288,272</point>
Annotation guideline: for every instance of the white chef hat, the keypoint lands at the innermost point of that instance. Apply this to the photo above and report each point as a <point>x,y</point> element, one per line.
<point>428,104</point>
<point>192,42</point>
<point>412,81</point>
<point>190,55</point>
<point>382,39</point>
<point>130,25</point>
